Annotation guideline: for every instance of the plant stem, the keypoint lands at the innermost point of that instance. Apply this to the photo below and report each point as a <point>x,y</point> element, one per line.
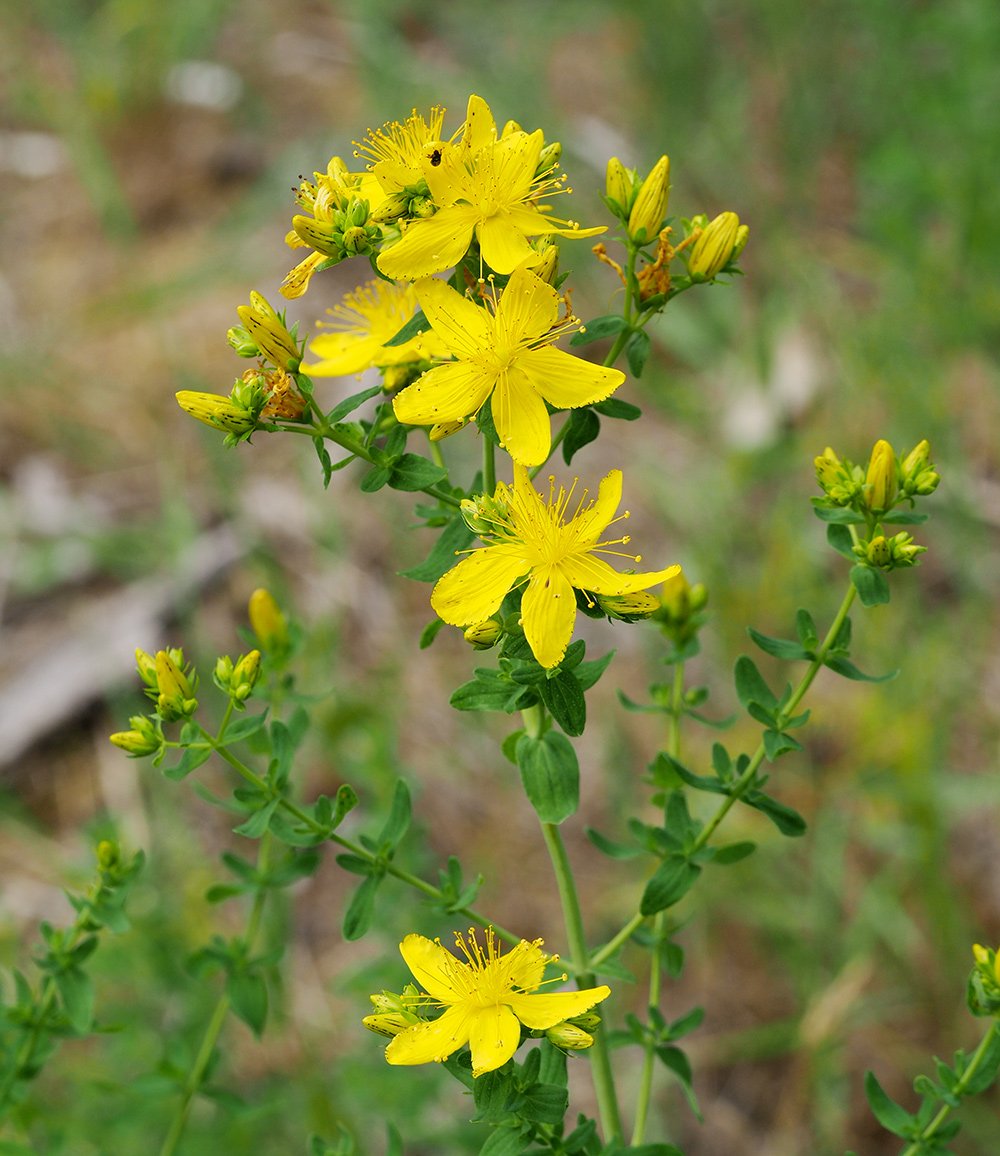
<point>196,1075</point>
<point>489,466</point>
<point>958,1091</point>
<point>600,1059</point>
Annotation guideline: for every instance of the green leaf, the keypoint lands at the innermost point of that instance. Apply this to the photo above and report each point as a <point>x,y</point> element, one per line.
<point>750,685</point>
<point>582,428</point>
<point>487,691</point>
<point>733,852</point>
<point>375,479</point>
<point>455,537</point>
<point>190,761</point>
<point>837,515</point>
<point>494,1093</point>
<point>417,324</point>
<point>244,727</point>
<point>550,775</point>
<point>599,327</point>
<point>871,585</point>
<point>258,822</point>
<point>248,995</point>
<point>610,848</point>
<point>587,673</point>
<point>672,880</point>
<point>350,404</point>
<point>411,472</point>
<point>779,647</point>
<point>788,821</point>
<point>637,352</point>
<point>678,1063</point>
<point>358,917</point>
<point>507,1140</point>
<point>563,696</point>
<point>805,628</point>
<point>616,408</point>
<point>543,1103</point>
<point>904,518</point>
<point>989,1066</point>
<point>778,743</point>
<point>552,1067</point>
<point>76,990</point>
<point>847,668</point>
<point>399,816</point>
<point>889,1114</point>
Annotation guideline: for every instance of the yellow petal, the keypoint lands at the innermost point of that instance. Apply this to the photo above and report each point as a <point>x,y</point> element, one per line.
<point>480,128</point>
<point>521,419</point>
<point>429,1042</point>
<point>445,393</point>
<point>430,246</point>
<point>493,1037</point>
<point>503,246</point>
<point>586,572</point>
<point>566,381</point>
<point>543,1011</point>
<point>548,611</point>
<point>432,967</point>
<point>464,327</point>
<point>474,589</point>
<point>341,354</point>
<point>528,308</point>
<point>589,524</point>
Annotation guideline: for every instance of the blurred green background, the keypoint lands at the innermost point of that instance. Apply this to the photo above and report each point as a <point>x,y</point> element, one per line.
<point>147,152</point>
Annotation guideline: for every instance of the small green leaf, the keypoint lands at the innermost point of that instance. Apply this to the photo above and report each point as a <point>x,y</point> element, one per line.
<point>399,816</point>
<point>563,696</point>
<point>411,472</point>
<point>750,685</point>
<point>258,822</point>
<point>889,1114</point>
<point>610,848</point>
<point>847,669</point>
<point>587,673</point>
<point>733,852</point>
<point>637,352</point>
<point>788,821</point>
<point>76,990</point>
<point>871,585</point>
<point>672,880</point>
<point>606,326</point>
<point>616,408</point>
<point>837,515</point>
<point>778,743</point>
<point>805,628</point>
<point>455,537</point>
<point>190,761</point>
<point>904,518</point>
<point>358,917</point>
<point>506,1140</point>
<point>583,427</point>
<point>779,647</point>
<point>543,1103</point>
<point>248,995</point>
<point>350,404</point>
<point>375,479</point>
<point>550,775</point>
<point>417,324</point>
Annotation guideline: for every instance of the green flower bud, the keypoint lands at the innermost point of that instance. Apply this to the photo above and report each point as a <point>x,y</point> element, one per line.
<point>618,188</point>
<point>108,854</point>
<point>629,607</point>
<point>241,341</point>
<point>650,205</point>
<point>217,411</point>
<point>483,635</point>
<point>483,513</point>
<point>245,675</point>
<point>569,1037</point>
<point>422,207</point>
<point>143,739</point>
<point>548,268</point>
<point>548,158</point>
<point>879,552</point>
<point>917,473</point>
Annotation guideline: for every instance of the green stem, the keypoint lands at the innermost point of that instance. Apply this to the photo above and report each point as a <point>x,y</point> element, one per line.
<point>489,466</point>
<point>308,821</point>
<point>946,1110</point>
<point>748,777</point>
<point>600,1058</point>
<point>196,1075</point>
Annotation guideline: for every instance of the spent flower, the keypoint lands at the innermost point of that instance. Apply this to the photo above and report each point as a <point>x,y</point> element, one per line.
<point>486,999</point>
<point>531,544</point>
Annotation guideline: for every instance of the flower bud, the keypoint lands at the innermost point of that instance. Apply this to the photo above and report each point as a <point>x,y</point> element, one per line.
<point>143,739</point>
<point>422,207</point>
<point>483,635</point>
<point>675,596</point>
<point>918,475</point>
<point>176,689</point>
<point>650,205</point>
<point>217,411</point>
<point>548,267</point>
<point>742,236</point>
<point>388,1023</point>
<point>245,675</point>
<point>904,550</point>
<point>267,622</point>
<point>618,188</point>
<point>482,514</point>
<point>629,607</point>
<point>548,158</point>
<point>879,552</point>
<point>880,481</point>
<point>146,666</point>
<point>444,429</point>
<point>714,248</point>
<point>241,341</point>
<point>268,331</point>
<point>569,1037</point>
<point>108,854</point>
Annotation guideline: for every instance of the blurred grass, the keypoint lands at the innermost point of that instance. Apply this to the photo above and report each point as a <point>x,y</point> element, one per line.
<point>859,140</point>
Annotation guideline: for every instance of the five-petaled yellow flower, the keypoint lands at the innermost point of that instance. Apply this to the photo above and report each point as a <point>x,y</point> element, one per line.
<point>506,354</point>
<point>529,542</point>
<point>362,324</point>
<point>486,999</point>
<point>484,186</point>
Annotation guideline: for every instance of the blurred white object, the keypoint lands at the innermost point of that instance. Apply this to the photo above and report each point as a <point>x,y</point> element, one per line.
<point>204,84</point>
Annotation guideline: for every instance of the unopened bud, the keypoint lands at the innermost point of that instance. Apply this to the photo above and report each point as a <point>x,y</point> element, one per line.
<point>548,267</point>
<point>570,1037</point>
<point>217,411</point>
<point>483,635</point>
<point>618,188</point>
<point>548,158</point>
<point>650,205</point>
<point>268,331</point>
<point>629,607</point>
<point>880,481</point>
<point>267,621</point>
<point>176,698</point>
<point>714,248</point>
<point>108,854</point>
<point>241,341</point>
<point>143,739</point>
<point>879,552</point>
<point>918,475</point>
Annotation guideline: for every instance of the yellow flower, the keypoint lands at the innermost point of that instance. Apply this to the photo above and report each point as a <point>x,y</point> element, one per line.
<point>485,1000</point>
<point>362,323</point>
<point>397,150</point>
<point>484,186</point>
<point>529,543</point>
<point>502,355</point>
